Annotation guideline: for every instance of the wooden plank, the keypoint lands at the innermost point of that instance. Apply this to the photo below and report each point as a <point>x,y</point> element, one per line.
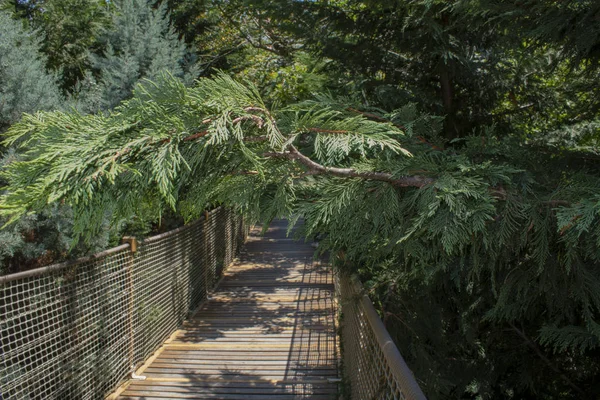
<point>287,332</point>
<point>200,327</point>
<point>245,355</point>
<point>298,291</point>
<point>165,395</point>
<point>234,380</point>
<point>243,389</point>
<point>258,310</point>
<point>238,377</point>
<point>245,361</point>
<point>253,304</point>
<point>181,368</point>
<point>291,339</point>
<point>236,346</point>
<point>187,383</point>
<point>280,321</point>
<point>267,283</point>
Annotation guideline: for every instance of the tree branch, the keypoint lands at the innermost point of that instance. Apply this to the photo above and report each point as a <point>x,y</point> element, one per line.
<point>319,169</point>
<point>315,168</point>
<point>195,136</point>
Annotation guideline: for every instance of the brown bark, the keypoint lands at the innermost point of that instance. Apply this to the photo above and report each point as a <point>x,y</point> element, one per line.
<point>316,169</point>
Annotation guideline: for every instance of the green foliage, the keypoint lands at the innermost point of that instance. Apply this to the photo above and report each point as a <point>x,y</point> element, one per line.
<point>46,237</point>
<point>216,135</point>
<point>191,18</point>
<point>141,44</point>
<point>574,25</point>
<point>476,232</point>
<point>70,30</point>
<point>26,86</point>
<point>499,251</point>
<point>285,82</point>
<point>476,62</point>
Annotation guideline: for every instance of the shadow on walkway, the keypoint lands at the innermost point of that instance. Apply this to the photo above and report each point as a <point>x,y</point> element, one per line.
<point>267,332</point>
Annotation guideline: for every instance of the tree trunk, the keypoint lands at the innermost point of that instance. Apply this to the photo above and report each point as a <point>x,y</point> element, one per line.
<point>447,93</point>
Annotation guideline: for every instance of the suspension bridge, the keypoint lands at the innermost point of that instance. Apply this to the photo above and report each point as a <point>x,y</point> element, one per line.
<point>212,310</point>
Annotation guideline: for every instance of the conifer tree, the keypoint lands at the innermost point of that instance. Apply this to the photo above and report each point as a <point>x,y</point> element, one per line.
<point>26,85</point>
<point>141,44</point>
<point>475,62</point>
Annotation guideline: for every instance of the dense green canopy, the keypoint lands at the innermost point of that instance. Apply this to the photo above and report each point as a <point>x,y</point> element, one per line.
<point>492,224</point>
<point>446,151</point>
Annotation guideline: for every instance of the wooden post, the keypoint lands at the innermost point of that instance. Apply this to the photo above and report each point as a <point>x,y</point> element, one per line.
<point>132,242</point>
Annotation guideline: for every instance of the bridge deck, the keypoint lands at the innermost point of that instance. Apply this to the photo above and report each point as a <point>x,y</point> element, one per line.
<point>267,332</point>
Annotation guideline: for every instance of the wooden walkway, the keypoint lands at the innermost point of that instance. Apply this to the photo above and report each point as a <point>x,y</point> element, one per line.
<point>267,332</point>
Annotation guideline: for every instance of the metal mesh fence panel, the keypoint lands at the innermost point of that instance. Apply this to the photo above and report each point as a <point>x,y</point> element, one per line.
<point>372,365</point>
<point>76,330</point>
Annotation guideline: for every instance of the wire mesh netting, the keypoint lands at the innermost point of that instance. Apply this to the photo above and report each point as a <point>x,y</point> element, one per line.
<point>373,367</point>
<point>76,330</point>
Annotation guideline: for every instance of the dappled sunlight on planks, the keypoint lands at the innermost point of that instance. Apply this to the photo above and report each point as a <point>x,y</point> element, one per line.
<point>267,332</point>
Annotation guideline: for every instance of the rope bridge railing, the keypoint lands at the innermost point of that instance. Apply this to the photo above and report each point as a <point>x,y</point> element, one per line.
<point>373,366</point>
<point>76,330</point>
